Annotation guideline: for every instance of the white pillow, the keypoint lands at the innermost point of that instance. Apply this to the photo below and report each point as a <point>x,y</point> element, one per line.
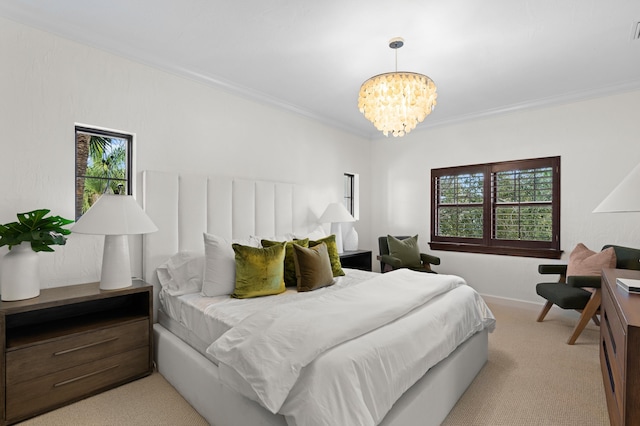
<point>252,241</point>
<point>279,238</point>
<point>314,235</point>
<point>219,266</point>
<point>182,273</point>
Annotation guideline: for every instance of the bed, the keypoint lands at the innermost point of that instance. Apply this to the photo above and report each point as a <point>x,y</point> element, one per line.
<point>199,358</point>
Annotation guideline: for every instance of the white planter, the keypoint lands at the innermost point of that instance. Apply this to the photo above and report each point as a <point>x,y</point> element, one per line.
<point>19,274</point>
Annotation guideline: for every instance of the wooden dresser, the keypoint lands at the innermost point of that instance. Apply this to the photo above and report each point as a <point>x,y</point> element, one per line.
<point>69,343</point>
<point>620,348</point>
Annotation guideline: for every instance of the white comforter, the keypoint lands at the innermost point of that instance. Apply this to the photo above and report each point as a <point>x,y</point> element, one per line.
<point>329,360</point>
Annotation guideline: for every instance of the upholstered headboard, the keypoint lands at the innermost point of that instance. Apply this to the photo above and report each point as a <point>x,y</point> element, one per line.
<point>183,206</point>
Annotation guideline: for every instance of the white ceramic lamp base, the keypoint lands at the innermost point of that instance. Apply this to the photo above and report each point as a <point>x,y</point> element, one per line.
<point>116,265</point>
<point>350,242</point>
<point>336,228</point>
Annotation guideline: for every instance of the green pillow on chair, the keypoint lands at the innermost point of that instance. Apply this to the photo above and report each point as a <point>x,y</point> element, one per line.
<point>406,250</point>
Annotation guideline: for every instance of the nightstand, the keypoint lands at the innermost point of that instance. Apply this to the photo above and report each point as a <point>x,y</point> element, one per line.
<point>70,343</point>
<point>356,259</point>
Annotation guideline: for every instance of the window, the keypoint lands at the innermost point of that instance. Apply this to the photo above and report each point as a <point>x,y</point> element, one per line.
<point>510,208</point>
<point>103,165</point>
<point>351,194</point>
<point>348,192</point>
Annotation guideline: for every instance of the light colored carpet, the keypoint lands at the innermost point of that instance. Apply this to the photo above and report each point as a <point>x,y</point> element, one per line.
<point>532,378</point>
<point>147,401</point>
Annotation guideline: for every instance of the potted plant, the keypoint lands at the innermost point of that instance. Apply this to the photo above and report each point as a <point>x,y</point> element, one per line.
<point>32,233</point>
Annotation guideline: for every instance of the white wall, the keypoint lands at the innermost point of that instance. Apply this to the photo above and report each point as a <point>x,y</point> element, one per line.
<point>48,83</point>
<point>598,144</point>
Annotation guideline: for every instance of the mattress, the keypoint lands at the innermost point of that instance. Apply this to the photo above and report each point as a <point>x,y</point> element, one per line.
<point>200,320</point>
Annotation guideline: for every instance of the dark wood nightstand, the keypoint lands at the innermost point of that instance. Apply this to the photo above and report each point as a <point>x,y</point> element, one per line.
<point>72,342</point>
<point>356,259</point>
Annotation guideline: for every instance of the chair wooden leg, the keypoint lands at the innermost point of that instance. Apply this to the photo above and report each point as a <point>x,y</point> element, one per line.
<point>544,311</point>
<point>595,319</point>
<point>588,312</point>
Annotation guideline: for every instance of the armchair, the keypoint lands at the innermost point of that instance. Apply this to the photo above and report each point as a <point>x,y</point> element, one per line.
<point>389,263</point>
<point>571,292</point>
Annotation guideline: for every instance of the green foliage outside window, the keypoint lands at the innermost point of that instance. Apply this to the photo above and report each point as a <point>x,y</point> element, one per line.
<point>521,205</point>
<point>102,162</point>
<point>460,198</point>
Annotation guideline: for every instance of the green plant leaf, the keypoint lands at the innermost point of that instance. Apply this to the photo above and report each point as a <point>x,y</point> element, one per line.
<point>36,228</point>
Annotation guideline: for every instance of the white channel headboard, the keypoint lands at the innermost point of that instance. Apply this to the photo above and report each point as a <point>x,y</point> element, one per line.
<point>183,206</point>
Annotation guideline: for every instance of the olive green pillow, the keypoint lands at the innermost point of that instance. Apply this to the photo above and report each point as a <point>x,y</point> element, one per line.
<point>289,264</point>
<point>406,250</point>
<point>334,256</point>
<point>259,271</point>
<point>313,267</point>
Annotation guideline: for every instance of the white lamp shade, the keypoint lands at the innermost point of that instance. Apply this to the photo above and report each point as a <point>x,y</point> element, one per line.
<point>625,197</point>
<point>336,213</point>
<point>114,215</point>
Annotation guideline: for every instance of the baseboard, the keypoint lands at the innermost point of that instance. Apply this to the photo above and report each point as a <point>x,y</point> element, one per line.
<point>515,303</point>
<point>526,305</point>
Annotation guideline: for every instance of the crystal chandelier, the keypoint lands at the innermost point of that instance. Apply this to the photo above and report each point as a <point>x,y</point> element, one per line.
<point>397,101</point>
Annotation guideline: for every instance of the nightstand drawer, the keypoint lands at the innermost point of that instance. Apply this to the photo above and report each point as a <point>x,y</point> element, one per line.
<point>56,389</point>
<point>39,360</point>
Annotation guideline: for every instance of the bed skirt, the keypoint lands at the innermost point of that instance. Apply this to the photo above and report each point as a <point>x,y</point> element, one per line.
<point>427,402</point>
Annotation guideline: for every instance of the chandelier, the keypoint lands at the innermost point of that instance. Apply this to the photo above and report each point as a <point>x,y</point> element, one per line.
<point>397,101</point>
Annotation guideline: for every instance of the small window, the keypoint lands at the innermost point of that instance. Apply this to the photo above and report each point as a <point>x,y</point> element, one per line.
<point>103,165</point>
<point>348,192</point>
<point>510,208</point>
<point>352,194</point>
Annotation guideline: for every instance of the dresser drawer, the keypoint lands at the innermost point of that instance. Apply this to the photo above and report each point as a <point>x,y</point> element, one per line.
<point>614,333</point>
<point>53,390</point>
<point>42,359</point>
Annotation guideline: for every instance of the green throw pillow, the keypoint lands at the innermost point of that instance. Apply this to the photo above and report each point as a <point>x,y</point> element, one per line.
<point>334,256</point>
<point>289,264</point>
<point>406,250</point>
<point>259,271</point>
<point>313,267</point>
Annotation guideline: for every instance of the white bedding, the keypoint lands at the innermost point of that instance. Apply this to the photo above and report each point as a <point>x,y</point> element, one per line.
<point>210,317</point>
<point>337,378</point>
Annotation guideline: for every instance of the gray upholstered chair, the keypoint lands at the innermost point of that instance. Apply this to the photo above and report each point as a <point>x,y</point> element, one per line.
<point>570,293</point>
<point>389,263</point>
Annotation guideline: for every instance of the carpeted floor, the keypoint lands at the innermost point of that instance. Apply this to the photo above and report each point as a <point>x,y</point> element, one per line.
<point>532,378</point>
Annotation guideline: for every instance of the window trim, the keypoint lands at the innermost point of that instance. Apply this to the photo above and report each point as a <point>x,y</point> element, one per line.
<point>488,245</point>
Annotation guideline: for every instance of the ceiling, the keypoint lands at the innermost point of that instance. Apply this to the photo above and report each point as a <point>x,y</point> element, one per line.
<point>311,56</point>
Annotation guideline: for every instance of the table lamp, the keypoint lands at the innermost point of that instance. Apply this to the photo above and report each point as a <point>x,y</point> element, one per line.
<point>116,217</point>
<point>624,198</point>
<point>336,214</point>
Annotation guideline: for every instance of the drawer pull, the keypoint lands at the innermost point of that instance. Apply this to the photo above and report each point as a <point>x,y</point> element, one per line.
<point>75,379</point>
<point>606,360</point>
<point>66,351</point>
